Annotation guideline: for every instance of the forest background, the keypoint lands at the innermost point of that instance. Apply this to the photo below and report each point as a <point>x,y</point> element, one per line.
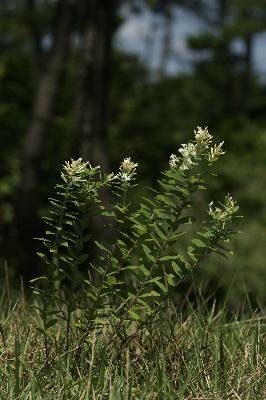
<point>108,79</point>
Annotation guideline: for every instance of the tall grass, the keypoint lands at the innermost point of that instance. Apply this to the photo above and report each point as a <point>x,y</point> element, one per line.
<point>199,353</point>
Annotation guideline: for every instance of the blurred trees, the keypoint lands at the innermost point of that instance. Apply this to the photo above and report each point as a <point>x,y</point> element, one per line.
<point>39,124</point>
<point>67,91</point>
<point>91,23</point>
<point>229,44</point>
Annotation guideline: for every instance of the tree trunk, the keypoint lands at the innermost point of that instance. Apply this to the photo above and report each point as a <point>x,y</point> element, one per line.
<point>92,99</point>
<point>92,95</point>
<point>43,106</point>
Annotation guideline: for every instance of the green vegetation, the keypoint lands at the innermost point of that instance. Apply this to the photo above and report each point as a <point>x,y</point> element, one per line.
<point>129,292</point>
<point>197,353</point>
<point>113,332</point>
<point>145,256</point>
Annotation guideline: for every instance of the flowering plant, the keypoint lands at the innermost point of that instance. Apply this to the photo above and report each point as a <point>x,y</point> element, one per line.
<point>144,258</point>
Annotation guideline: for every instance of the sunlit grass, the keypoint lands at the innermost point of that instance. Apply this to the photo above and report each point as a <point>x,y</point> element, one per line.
<point>194,354</point>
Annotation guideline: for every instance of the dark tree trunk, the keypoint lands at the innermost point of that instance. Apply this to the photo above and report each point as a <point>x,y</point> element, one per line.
<point>43,107</point>
<point>90,133</point>
<point>92,95</point>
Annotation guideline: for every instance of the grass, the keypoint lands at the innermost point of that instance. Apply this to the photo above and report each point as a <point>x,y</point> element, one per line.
<point>198,354</point>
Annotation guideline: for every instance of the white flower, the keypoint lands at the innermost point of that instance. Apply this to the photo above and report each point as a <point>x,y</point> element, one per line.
<point>74,169</point>
<point>188,150</point>
<point>173,162</point>
<point>216,152</point>
<point>188,159</point>
<point>223,215</point>
<point>187,163</point>
<point>192,153</point>
<point>203,137</point>
<point>128,166</point>
<point>111,177</point>
<point>125,177</point>
<point>127,170</point>
<point>230,204</point>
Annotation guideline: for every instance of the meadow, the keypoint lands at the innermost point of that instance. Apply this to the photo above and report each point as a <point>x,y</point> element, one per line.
<point>118,330</point>
<point>197,353</point>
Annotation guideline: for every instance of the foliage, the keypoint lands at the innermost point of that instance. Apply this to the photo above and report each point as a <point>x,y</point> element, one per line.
<point>144,257</point>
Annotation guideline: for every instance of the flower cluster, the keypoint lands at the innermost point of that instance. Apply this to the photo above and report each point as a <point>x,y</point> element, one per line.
<point>127,170</point>
<point>216,152</point>
<point>191,153</point>
<point>223,215</point>
<point>75,170</point>
<point>203,137</point>
<point>110,177</point>
<point>174,161</point>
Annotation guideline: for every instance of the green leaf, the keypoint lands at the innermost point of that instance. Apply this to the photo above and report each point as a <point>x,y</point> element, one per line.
<point>146,213</point>
<point>152,293</point>
<point>207,234</point>
<point>134,315</point>
<point>162,215</point>
<point>51,323</point>
<point>111,280</point>
<point>92,296</point>
<point>147,251</point>
<point>49,233</point>
<point>38,279</point>
<point>199,243</point>
<point>102,247</point>
<point>144,304</point>
<point>99,321</point>
<point>171,279</point>
<point>191,253</point>
<point>65,258</point>
<point>143,269</point>
<point>131,267</point>
<point>43,257</point>
<point>176,236</point>
<point>159,232</point>
<point>161,286</point>
<point>167,258</point>
<point>184,191</point>
<point>142,229</point>
<point>176,269</point>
